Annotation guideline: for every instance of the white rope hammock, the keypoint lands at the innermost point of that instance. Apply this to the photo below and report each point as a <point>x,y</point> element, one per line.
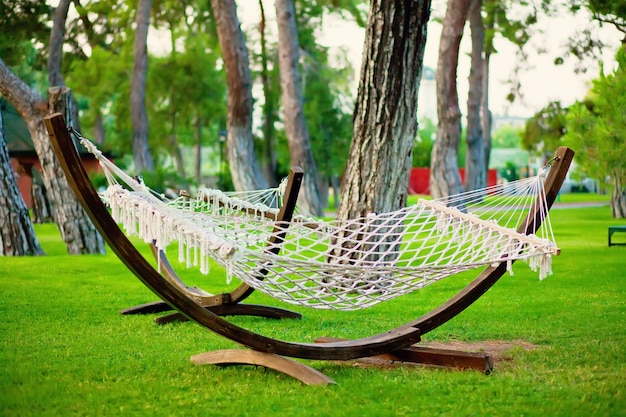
<point>342,265</point>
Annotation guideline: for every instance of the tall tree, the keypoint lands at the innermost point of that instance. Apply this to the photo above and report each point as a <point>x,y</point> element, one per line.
<point>269,107</point>
<point>475,167</point>
<point>244,167</point>
<point>139,115</point>
<point>596,130</point>
<point>17,235</point>
<point>293,107</point>
<point>77,231</point>
<point>385,116</point>
<point>485,110</point>
<point>328,101</point>
<point>75,227</point>
<point>57,34</point>
<point>445,179</point>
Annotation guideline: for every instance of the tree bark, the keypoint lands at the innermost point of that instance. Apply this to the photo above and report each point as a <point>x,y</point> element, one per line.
<point>41,207</point>
<point>385,115</point>
<point>486,117</point>
<point>269,112</point>
<point>475,172</point>
<point>198,155</point>
<point>139,115</point>
<point>245,171</point>
<point>77,231</point>
<point>57,35</point>
<point>55,57</point>
<point>485,114</point>
<point>618,197</point>
<point>445,179</point>
<point>17,235</point>
<point>293,107</point>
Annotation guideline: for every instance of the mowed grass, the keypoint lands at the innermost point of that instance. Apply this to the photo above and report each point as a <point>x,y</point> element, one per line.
<point>66,350</point>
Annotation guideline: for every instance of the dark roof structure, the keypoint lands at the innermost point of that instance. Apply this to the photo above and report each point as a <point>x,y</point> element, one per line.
<point>16,134</point>
<point>15,130</point>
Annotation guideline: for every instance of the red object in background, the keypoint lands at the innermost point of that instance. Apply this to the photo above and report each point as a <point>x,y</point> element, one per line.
<point>25,163</point>
<point>419,182</point>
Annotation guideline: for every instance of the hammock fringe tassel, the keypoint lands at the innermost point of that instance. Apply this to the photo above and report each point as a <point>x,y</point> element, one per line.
<point>343,265</point>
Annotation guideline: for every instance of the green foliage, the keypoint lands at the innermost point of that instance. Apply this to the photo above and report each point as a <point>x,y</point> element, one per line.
<point>515,22</point>
<point>596,130</point>
<point>165,180</point>
<point>185,87</point>
<point>23,24</point>
<point>349,9</point>
<point>423,148</point>
<point>102,84</point>
<point>544,130</point>
<point>462,149</point>
<point>509,172</point>
<point>506,137</point>
<point>613,11</point>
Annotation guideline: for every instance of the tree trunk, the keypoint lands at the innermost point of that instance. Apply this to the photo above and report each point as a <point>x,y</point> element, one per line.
<point>475,172</point>
<point>486,117</point>
<point>485,114</point>
<point>198,161</point>
<point>269,112</point>
<point>139,115</point>
<point>293,107</point>
<point>76,228</point>
<point>445,179</point>
<point>55,57</point>
<point>98,129</point>
<point>57,34</point>
<point>77,231</point>
<point>245,170</point>
<point>385,115</point>
<point>41,207</point>
<point>175,148</point>
<point>17,235</point>
<point>618,197</point>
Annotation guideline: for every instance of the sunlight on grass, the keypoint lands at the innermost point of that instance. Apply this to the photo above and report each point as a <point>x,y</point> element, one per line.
<point>66,350</point>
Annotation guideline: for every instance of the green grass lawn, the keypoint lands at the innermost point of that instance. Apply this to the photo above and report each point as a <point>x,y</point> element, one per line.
<point>66,350</point>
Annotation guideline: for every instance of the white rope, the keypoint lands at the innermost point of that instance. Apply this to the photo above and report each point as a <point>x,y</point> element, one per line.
<point>343,265</point>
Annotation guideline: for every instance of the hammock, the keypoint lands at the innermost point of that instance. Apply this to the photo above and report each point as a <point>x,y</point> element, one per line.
<point>341,265</point>
<point>396,344</point>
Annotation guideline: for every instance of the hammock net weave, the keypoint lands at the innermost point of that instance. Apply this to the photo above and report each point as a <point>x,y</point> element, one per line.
<point>337,264</point>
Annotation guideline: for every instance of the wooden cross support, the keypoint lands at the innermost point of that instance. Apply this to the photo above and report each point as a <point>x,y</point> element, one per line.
<point>448,358</point>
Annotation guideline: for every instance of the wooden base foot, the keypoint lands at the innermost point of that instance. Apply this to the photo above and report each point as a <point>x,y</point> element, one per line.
<point>443,357</point>
<point>147,308</point>
<point>287,366</point>
<point>458,359</point>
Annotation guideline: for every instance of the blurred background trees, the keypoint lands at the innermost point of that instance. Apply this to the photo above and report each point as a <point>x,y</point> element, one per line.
<point>205,118</point>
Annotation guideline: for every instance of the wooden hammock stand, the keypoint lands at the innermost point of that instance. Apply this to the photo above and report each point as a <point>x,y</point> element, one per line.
<point>396,344</point>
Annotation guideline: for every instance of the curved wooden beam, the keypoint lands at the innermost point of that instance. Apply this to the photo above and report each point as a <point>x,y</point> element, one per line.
<point>225,304</point>
<point>390,341</point>
<point>71,163</point>
<point>147,308</point>
<point>475,289</point>
<point>222,310</point>
<point>287,366</point>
